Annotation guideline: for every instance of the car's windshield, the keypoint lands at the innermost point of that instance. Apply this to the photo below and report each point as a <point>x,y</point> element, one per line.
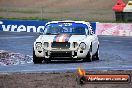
<point>66,28</point>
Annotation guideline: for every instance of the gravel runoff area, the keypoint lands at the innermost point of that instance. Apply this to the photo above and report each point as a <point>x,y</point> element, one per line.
<point>9,58</point>
<point>56,80</point>
<point>48,80</point>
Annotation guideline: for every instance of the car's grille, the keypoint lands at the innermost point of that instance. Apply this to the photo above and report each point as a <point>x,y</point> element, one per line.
<point>62,45</point>
<point>61,54</point>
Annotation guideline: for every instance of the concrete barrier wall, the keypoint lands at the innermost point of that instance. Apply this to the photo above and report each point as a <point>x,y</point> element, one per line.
<point>22,25</point>
<point>27,25</point>
<point>115,29</point>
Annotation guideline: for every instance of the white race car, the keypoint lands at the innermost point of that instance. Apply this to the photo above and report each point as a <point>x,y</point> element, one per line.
<point>66,40</point>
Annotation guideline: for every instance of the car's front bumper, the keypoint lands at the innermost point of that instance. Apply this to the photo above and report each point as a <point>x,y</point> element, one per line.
<point>61,53</point>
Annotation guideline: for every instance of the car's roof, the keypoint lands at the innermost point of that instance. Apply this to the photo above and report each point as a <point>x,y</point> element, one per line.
<point>84,22</point>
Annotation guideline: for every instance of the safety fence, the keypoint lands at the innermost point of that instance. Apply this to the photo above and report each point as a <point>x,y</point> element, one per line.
<point>40,13</point>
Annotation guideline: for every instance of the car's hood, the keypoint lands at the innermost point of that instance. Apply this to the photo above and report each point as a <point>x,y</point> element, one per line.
<point>61,38</point>
<point>75,38</point>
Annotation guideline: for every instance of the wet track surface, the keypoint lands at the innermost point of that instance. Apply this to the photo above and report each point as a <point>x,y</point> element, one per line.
<point>115,54</point>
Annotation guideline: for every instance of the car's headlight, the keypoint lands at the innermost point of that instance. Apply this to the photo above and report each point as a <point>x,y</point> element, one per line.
<point>38,45</point>
<point>82,45</point>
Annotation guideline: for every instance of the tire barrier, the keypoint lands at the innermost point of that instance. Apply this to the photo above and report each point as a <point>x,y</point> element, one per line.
<point>123,12</point>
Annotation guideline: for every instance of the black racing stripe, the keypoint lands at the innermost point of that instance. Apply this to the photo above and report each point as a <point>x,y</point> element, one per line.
<point>68,37</point>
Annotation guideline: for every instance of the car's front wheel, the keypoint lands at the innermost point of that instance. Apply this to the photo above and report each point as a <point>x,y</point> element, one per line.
<point>89,56</point>
<point>36,60</point>
<point>96,56</point>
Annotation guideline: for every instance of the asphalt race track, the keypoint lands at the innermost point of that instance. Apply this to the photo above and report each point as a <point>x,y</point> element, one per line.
<point>115,54</point>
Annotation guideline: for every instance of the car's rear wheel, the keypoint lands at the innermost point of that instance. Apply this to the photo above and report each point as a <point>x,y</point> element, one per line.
<point>36,60</point>
<point>89,56</point>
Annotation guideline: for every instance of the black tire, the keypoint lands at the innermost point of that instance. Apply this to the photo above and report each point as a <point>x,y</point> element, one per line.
<point>37,60</point>
<point>96,56</point>
<point>89,57</point>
